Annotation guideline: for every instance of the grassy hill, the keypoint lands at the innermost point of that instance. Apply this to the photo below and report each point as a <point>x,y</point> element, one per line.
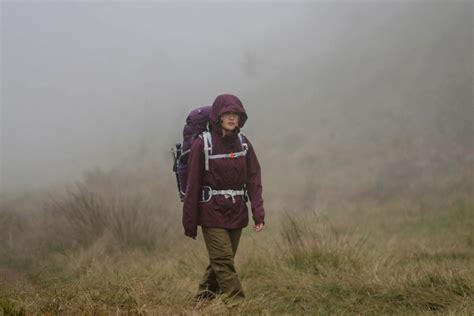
<point>366,147</point>
<point>374,245</point>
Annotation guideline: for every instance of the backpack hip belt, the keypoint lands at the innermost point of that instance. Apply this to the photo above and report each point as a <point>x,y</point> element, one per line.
<point>207,190</point>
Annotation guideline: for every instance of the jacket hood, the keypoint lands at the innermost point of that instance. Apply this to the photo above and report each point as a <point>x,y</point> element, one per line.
<point>226,103</point>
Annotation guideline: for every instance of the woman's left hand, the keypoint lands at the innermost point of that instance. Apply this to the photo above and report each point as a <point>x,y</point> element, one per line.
<point>258,227</point>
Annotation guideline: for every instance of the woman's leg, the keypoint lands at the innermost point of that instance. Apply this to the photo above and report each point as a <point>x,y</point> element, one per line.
<point>221,245</point>
<point>208,287</point>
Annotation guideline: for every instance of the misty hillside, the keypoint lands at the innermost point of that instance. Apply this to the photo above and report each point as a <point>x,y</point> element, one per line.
<point>361,114</point>
<point>387,105</point>
<point>383,109</point>
<point>391,100</point>
<point>336,82</point>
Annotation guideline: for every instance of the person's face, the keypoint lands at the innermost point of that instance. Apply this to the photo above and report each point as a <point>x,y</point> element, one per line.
<point>230,120</point>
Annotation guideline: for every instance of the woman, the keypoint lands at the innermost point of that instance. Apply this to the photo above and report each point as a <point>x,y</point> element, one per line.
<point>224,213</point>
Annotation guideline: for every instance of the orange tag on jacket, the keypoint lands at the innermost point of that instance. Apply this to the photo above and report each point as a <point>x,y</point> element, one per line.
<point>232,155</point>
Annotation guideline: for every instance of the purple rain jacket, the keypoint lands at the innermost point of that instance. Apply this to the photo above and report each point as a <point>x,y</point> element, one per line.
<point>223,174</point>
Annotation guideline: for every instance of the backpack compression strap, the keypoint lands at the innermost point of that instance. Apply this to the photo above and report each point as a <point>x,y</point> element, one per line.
<point>208,149</point>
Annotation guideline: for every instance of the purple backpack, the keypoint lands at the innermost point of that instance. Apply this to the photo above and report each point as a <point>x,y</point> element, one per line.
<point>196,123</point>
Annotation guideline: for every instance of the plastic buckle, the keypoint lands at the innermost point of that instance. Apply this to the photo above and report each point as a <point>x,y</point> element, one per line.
<point>203,194</point>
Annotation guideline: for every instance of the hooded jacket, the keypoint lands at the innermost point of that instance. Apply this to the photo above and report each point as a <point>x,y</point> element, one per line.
<point>223,174</point>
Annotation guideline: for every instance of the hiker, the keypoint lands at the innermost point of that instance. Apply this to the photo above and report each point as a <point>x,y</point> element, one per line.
<point>216,195</point>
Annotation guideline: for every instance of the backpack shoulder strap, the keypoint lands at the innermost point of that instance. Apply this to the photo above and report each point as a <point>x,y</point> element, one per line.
<point>243,142</point>
<point>206,136</point>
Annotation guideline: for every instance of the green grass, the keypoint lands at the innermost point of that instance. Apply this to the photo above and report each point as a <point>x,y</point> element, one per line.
<point>11,307</point>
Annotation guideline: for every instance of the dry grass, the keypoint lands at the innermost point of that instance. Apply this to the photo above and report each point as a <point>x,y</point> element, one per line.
<point>308,263</point>
<point>112,246</point>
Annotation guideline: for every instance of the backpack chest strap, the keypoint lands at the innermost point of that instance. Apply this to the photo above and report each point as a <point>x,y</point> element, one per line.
<point>206,136</point>
<point>229,156</point>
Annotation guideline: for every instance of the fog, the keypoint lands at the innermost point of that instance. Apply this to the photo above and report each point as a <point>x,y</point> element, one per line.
<point>100,84</point>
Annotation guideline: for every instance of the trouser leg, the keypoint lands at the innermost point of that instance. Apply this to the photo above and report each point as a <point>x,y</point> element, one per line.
<point>208,287</point>
<point>222,245</point>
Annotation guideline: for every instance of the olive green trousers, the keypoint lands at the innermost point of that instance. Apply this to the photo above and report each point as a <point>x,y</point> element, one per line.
<point>220,276</point>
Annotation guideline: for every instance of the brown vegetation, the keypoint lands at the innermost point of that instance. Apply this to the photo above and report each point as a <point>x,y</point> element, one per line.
<point>98,248</point>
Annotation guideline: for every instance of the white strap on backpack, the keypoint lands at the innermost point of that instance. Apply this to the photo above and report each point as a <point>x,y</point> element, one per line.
<point>206,136</point>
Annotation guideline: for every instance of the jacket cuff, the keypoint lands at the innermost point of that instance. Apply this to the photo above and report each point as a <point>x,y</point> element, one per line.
<point>191,233</point>
<point>259,217</point>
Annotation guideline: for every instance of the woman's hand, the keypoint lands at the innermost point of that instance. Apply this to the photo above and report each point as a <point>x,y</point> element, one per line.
<point>258,227</point>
